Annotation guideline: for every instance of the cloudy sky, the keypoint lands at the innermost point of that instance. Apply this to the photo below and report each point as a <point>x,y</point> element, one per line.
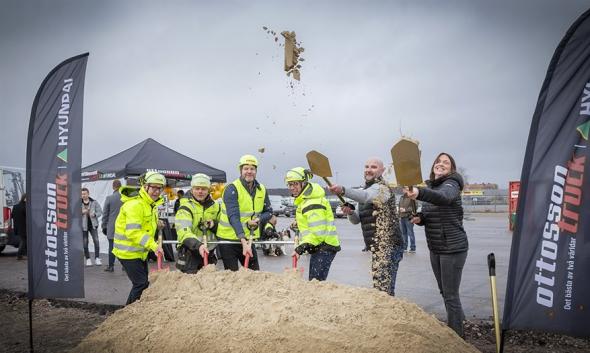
<point>205,79</point>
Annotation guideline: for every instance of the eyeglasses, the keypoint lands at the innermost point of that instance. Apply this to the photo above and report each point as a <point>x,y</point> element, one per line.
<point>159,188</point>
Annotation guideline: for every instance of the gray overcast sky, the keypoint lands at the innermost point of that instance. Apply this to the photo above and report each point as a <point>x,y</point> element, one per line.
<point>204,78</point>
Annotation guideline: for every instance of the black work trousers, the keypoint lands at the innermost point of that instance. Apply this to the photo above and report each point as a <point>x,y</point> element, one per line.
<point>231,254</point>
<point>137,271</point>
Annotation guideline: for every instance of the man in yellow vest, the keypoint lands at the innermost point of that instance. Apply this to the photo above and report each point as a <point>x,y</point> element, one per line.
<point>315,223</point>
<point>135,227</point>
<point>196,217</point>
<point>245,207</point>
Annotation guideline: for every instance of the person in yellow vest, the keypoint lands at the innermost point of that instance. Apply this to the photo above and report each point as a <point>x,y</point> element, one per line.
<point>315,223</point>
<point>135,227</point>
<point>245,207</point>
<point>196,217</point>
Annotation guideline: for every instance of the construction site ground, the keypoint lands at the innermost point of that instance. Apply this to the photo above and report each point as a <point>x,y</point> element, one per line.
<point>61,324</point>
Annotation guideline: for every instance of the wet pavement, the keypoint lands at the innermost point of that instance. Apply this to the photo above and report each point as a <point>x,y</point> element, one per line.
<point>487,233</point>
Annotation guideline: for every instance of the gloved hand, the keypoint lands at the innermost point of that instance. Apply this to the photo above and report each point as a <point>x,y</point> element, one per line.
<point>104,231</point>
<point>294,227</point>
<point>305,247</point>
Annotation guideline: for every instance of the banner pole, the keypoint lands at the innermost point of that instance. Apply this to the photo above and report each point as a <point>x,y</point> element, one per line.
<point>502,341</point>
<point>31,349</point>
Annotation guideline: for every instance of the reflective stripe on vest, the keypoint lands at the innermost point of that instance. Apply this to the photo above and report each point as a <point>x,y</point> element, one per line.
<point>190,218</point>
<point>183,223</point>
<point>128,248</point>
<point>135,226</point>
<point>315,219</point>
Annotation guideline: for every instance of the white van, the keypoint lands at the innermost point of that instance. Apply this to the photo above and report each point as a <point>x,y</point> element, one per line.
<point>276,202</point>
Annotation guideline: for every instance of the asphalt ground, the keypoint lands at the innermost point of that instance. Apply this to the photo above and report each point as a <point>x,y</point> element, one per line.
<point>487,232</point>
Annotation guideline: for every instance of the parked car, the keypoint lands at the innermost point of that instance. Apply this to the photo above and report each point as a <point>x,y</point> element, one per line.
<point>336,205</point>
<point>290,210</point>
<point>276,202</point>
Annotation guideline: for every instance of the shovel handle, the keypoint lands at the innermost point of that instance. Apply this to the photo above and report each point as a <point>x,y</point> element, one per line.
<point>159,256</point>
<point>342,200</point>
<point>206,257</point>
<point>413,207</point>
<point>492,269</point>
<point>294,261</point>
<point>159,252</point>
<point>492,264</point>
<point>247,259</point>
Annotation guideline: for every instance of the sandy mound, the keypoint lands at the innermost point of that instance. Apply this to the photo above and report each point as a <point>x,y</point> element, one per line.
<point>222,311</point>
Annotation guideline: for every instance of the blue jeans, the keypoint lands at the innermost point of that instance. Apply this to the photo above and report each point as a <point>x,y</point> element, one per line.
<point>448,269</point>
<point>94,233</point>
<point>319,264</point>
<point>407,229</point>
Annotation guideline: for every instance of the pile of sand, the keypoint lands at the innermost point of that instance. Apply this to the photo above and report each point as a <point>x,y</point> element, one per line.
<point>222,311</point>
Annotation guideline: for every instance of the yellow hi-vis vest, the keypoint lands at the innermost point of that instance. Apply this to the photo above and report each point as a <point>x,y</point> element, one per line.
<point>191,214</point>
<point>314,217</point>
<point>136,224</point>
<point>250,208</point>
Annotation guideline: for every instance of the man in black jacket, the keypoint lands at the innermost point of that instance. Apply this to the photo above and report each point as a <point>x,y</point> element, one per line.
<point>111,208</point>
<point>19,218</point>
<point>379,223</point>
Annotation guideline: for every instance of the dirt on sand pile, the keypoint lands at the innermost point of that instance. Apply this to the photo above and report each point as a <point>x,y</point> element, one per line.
<point>222,311</point>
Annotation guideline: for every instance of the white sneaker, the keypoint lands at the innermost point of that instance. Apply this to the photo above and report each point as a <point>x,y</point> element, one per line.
<point>88,262</point>
<point>97,262</point>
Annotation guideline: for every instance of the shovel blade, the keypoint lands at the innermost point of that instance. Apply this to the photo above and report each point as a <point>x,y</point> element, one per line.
<point>319,164</point>
<point>406,162</point>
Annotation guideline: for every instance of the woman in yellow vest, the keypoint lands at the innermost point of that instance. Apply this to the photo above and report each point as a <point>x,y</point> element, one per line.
<point>197,217</point>
<point>135,227</point>
<point>315,223</point>
<point>245,207</point>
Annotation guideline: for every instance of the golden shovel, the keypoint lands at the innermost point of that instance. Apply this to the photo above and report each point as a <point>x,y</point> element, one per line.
<point>406,164</point>
<point>320,165</point>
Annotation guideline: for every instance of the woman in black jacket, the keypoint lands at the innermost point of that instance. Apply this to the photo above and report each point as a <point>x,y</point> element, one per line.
<point>442,217</point>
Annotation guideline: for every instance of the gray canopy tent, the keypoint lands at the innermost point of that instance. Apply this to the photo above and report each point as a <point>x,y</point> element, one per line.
<point>150,155</point>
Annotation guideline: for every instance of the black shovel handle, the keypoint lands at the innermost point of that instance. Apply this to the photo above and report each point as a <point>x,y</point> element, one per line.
<point>492,264</point>
<point>344,203</point>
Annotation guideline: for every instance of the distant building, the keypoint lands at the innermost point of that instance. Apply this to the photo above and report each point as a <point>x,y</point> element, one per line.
<point>481,186</point>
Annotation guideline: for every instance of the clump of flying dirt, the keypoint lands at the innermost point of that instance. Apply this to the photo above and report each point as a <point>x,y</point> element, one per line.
<point>292,53</point>
<point>246,311</point>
